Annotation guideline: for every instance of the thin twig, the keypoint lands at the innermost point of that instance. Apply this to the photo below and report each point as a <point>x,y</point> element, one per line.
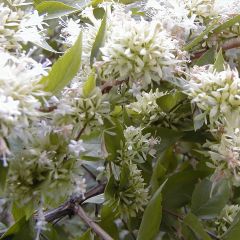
<point>78,210</point>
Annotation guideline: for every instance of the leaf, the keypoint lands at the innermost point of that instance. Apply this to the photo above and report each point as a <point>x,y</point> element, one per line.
<point>227,24</point>
<point>54,9</point>
<point>157,176</point>
<point>233,231</point>
<point>3,176</point>
<point>201,36</point>
<point>64,69</point>
<point>196,226</point>
<point>99,199</point>
<point>219,63</point>
<point>152,217</point>
<point>167,136</point>
<point>86,236</point>
<point>98,40</point>
<point>169,101</point>
<point>90,84</point>
<point>22,229</point>
<point>177,192</point>
<point>206,58</point>
<point>208,199</point>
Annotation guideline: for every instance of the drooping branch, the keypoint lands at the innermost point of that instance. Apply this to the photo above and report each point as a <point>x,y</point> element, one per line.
<point>78,210</point>
<point>67,209</point>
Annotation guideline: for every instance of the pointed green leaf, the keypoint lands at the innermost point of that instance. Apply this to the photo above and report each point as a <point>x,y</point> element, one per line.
<point>152,217</point>
<point>206,58</point>
<point>201,36</point>
<point>227,24</point>
<point>86,236</point>
<point>208,199</point>
<point>64,69</point>
<point>98,40</point>
<point>196,226</point>
<point>54,9</point>
<point>233,231</point>
<point>90,84</point>
<point>219,63</point>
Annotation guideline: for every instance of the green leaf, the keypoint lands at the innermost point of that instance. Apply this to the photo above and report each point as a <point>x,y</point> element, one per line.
<point>22,229</point>
<point>157,176</point>
<point>169,101</point>
<point>152,217</point>
<point>227,24</point>
<point>177,192</point>
<point>86,236</point>
<point>208,198</point>
<point>26,210</point>
<point>3,176</point>
<point>90,84</point>
<point>206,58</point>
<point>64,69</point>
<point>54,9</point>
<point>201,36</point>
<point>219,63</point>
<point>196,226</point>
<point>98,40</point>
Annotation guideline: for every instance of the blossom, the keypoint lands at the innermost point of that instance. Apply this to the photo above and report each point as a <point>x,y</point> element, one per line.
<point>226,218</point>
<point>140,52</point>
<point>18,26</point>
<point>217,94</point>
<point>76,147</point>
<point>146,105</point>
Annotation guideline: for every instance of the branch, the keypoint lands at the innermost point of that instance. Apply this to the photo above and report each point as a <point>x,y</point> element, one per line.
<point>229,44</point>
<point>78,210</point>
<point>67,209</point>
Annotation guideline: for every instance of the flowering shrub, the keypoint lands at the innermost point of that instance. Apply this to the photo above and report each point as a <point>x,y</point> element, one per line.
<point>119,119</point>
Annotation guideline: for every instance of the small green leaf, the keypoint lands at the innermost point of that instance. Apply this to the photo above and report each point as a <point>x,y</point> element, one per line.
<point>219,63</point>
<point>157,176</point>
<point>54,9</point>
<point>98,40</point>
<point>196,226</point>
<point>86,236</point>
<point>227,24</point>
<point>152,217</point>
<point>64,69</point>
<point>3,176</point>
<point>206,58</point>
<point>201,36</point>
<point>208,199</point>
<point>90,84</point>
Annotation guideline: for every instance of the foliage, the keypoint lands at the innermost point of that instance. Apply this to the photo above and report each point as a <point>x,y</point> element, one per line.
<point>122,115</point>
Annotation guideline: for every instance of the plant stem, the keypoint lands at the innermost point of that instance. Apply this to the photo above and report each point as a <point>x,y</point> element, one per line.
<point>95,227</point>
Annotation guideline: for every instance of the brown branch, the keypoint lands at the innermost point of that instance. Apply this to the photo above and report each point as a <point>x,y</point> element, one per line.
<point>67,209</point>
<point>107,86</point>
<point>78,210</point>
<point>47,109</point>
<point>229,44</point>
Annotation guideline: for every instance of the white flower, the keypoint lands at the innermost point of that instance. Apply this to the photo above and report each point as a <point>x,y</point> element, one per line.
<point>80,186</point>
<point>146,105</point>
<point>139,52</point>
<point>76,147</point>
<point>216,93</point>
<point>19,91</point>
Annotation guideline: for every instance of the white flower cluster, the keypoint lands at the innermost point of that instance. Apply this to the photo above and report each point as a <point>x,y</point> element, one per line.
<point>18,26</point>
<point>146,106</point>
<point>217,94</point>
<point>75,108</point>
<point>19,91</point>
<point>226,218</point>
<point>137,145</point>
<point>142,51</point>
